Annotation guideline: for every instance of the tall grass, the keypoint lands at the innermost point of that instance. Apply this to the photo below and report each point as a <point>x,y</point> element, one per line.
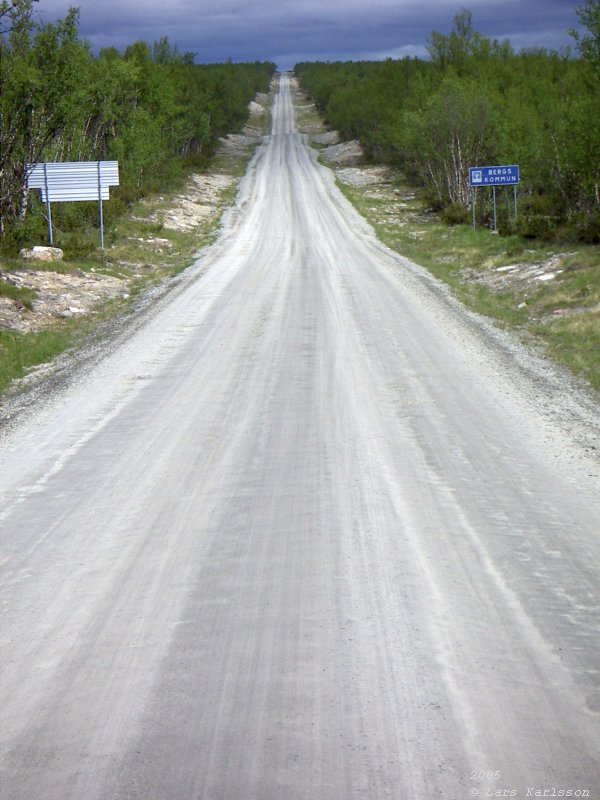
<point>19,352</point>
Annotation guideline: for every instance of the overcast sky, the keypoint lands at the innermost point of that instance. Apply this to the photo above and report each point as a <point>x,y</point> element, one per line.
<point>289,31</point>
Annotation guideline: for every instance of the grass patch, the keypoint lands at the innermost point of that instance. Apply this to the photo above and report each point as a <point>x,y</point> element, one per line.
<point>577,288</point>
<point>561,313</point>
<point>19,352</point>
<point>500,306</point>
<point>69,265</point>
<point>575,342</point>
<point>408,227</point>
<point>21,294</point>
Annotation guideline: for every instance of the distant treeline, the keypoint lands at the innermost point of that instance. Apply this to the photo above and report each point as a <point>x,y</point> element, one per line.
<point>477,103</point>
<point>151,108</point>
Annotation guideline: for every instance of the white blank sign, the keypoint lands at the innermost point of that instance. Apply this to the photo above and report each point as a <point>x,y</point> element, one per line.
<point>73,180</point>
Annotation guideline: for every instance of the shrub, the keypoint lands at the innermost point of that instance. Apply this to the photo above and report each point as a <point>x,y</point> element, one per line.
<point>455,214</point>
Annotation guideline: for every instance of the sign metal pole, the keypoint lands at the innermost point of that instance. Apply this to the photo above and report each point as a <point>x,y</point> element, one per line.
<point>499,175</point>
<point>100,206</point>
<point>48,212</point>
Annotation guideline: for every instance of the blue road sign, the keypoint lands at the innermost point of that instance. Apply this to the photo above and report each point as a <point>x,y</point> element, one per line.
<point>494,176</point>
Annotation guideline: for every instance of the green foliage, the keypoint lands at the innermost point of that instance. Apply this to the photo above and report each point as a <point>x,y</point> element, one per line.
<point>15,14</point>
<point>464,45</point>
<point>151,108</point>
<point>19,352</point>
<point>477,102</point>
<point>19,293</point>
<point>455,214</point>
<point>589,45</point>
<point>42,73</point>
<point>573,341</point>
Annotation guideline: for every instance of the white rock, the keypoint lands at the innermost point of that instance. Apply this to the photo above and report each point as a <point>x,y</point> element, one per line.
<point>39,253</point>
<point>255,109</point>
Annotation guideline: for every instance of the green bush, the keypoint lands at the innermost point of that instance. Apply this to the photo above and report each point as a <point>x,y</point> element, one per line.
<point>536,226</point>
<point>456,214</point>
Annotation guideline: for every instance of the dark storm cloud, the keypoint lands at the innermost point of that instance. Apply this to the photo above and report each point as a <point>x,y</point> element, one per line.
<point>293,30</point>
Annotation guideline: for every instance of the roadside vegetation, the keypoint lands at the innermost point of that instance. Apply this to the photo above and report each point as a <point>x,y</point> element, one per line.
<point>144,250</point>
<point>478,103</point>
<point>475,103</point>
<point>150,108</point>
<point>142,253</point>
<point>153,109</point>
<point>549,295</point>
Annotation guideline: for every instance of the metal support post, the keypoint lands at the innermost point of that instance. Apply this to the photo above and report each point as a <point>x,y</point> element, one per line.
<point>100,206</point>
<point>48,212</point>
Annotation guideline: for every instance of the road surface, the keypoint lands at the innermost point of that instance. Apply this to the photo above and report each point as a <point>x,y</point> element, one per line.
<point>310,533</point>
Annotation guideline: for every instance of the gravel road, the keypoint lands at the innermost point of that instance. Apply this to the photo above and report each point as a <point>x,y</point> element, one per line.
<point>312,532</point>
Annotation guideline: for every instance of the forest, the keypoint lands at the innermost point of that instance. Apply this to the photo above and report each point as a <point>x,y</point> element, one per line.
<point>150,107</point>
<point>476,102</point>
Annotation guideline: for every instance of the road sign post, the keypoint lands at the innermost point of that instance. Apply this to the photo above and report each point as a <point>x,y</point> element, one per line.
<point>100,215</point>
<point>501,175</point>
<point>48,211</point>
<point>73,181</point>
